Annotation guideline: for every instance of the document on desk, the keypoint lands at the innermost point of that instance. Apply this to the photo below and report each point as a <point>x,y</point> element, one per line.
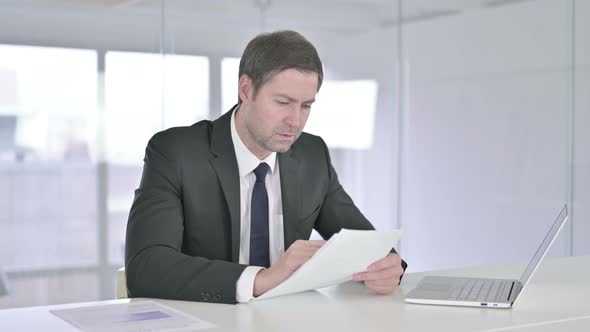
<point>131,317</point>
<point>346,253</point>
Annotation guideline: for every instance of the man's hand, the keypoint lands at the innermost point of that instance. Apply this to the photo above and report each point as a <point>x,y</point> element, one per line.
<point>384,275</point>
<point>297,254</point>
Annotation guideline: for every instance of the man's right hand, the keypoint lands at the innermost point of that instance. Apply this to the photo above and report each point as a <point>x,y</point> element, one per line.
<point>297,254</point>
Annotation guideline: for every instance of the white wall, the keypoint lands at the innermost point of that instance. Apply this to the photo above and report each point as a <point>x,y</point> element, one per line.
<point>581,186</point>
<point>486,132</point>
<point>370,176</point>
<point>485,168</point>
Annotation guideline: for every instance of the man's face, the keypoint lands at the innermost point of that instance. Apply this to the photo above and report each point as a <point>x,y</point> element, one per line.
<point>275,118</point>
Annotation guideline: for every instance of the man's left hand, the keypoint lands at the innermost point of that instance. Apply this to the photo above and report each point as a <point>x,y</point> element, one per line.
<point>383,276</point>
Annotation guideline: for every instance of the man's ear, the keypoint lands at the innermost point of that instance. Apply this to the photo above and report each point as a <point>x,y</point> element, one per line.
<point>245,88</point>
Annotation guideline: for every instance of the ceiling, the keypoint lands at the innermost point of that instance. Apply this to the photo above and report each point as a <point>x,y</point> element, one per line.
<point>208,25</point>
<point>334,13</point>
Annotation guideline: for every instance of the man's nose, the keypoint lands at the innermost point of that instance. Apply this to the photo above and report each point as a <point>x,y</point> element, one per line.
<point>293,119</point>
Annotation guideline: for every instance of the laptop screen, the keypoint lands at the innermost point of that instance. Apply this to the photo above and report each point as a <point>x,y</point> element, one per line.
<point>557,225</point>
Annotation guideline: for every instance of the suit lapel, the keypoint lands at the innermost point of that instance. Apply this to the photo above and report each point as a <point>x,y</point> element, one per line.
<point>290,191</point>
<point>226,167</point>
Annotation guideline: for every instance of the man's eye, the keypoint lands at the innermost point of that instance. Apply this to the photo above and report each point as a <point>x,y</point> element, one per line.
<point>307,107</point>
<point>280,102</point>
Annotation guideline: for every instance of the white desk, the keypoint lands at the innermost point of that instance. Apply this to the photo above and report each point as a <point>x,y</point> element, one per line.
<point>556,299</point>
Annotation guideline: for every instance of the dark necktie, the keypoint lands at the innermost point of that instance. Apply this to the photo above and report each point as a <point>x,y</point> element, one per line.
<point>259,240</point>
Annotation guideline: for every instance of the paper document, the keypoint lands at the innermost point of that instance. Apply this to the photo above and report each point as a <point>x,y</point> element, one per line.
<point>131,317</point>
<point>346,253</point>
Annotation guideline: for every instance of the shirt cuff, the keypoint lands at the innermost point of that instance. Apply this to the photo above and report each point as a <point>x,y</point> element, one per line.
<point>245,284</point>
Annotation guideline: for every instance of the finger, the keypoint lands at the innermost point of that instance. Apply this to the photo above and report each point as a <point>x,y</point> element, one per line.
<point>305,255</point>
<point>302,248</point>
<point>301,251</point>
<point>384,282</point>
<point>301,254</point>
<point>380,283</point>
<point>310,250</point>
<point>377,275</point>
<point>306,244</point>
<point>294,262</point>
<point>377,288</point>
<point>388,261</point>
<point>298,254</point>
<point>315,243</point>
<point>381,289</point>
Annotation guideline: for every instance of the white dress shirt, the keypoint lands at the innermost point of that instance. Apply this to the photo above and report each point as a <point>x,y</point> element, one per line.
<point>247,162</point>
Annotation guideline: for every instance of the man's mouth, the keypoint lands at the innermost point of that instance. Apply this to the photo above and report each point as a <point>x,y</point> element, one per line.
<point>287,136</point>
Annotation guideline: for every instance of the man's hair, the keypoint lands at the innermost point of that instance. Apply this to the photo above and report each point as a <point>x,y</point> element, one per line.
<point>270,53</point>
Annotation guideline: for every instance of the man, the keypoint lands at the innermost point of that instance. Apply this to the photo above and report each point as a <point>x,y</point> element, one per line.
<point>219,202</point>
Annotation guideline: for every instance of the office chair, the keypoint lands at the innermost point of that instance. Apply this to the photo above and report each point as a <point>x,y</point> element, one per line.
<point>121,284</point>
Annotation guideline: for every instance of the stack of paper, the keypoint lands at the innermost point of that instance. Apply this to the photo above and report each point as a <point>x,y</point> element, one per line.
<point>346,253</point>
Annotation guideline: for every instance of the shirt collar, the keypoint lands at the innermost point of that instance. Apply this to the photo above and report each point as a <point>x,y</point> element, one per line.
<point>247,161</point>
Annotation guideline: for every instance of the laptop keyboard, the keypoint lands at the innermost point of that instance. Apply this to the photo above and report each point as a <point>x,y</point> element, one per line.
<point>482,290</point>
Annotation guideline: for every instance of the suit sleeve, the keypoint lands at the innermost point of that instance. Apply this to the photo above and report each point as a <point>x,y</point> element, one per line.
<point>338,210</point>
<point>154,262</point>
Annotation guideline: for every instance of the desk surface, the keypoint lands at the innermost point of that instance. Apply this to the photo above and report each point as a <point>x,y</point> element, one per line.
<point>556,299</point>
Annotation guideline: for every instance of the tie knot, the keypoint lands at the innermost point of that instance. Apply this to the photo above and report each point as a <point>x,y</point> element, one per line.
<point>261,171</point>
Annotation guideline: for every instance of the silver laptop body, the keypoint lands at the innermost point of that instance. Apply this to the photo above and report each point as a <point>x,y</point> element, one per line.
<point>483,292</point>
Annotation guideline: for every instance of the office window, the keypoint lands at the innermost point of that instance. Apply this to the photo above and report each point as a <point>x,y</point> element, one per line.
<point>47,173</point>
<point>47,102</point>
<point>230,68</point>
<point>146,93</point>
<point>345,122</point>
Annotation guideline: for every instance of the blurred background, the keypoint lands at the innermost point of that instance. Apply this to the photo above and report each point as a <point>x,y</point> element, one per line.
<point>464,122</point>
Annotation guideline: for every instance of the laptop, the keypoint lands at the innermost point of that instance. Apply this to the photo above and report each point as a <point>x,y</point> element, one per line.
<point>483,292</point>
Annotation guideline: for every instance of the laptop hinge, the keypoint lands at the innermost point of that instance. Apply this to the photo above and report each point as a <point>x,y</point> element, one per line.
<point>514,291</point>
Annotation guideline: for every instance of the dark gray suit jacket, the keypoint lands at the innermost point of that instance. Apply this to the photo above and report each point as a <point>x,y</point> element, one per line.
<point>183,233</point>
